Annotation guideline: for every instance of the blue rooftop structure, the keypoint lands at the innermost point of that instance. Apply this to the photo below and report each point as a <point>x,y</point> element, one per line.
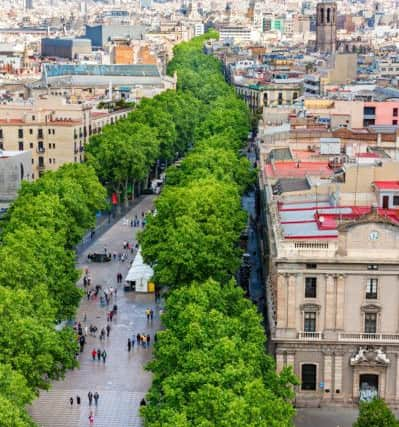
<point>59,70</point>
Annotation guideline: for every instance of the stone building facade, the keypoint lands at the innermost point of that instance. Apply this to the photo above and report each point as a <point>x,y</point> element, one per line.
<point>326,27</point>
<point>335,312</point>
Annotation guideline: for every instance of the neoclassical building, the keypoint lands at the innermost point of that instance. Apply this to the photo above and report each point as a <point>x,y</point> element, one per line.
<point>333,297</point>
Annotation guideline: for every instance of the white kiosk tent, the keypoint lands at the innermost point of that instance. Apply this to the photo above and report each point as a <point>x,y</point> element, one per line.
<point>139,275</point>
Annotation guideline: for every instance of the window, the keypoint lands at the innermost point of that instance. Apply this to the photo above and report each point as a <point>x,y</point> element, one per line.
<point>33,118</point>
<point>371,289</point>
<point>309,321</point>
<point>394,122</point>
<point>370,323</point>
<point>30,131</point>
<point>308,377</point>
<point>49,146</point>
<point>31,145</point>
<point>395,112</point>
<point>20,146</point>
<point>49,131</point>
<point>395,200</point>
<point>1,133</point>
<point>372,267</point>
<point>33,161</point>
<point>49,160</point>
<point>20,133</point>
<point>53,145</point>
<point>310,287</point>
<point>40,133</point>
<point>311,266</point>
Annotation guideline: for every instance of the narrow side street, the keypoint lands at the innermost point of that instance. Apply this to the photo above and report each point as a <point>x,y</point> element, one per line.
<point>121,381</point>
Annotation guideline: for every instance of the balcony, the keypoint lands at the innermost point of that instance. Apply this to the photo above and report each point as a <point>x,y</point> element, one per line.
<point>310,336</point>
<point>369,338</point>
<point>40,150</point>
<point>41,167</point>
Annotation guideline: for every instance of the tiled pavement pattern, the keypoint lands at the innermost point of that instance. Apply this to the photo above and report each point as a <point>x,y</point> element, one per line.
<point>122,381</point>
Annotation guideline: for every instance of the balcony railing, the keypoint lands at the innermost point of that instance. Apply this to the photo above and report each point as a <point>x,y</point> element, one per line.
<point>373,338</point>
<point>311,336</point>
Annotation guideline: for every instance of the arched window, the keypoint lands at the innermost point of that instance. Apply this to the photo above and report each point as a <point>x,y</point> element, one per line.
<point>322,15</point>
<point>328,15</point>
<point>308,376</point>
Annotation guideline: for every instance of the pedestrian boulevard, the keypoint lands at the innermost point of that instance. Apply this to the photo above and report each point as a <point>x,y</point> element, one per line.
<point>121,381</point>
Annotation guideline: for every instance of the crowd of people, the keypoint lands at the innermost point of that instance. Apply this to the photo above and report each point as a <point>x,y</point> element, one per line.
<point>105,296</point>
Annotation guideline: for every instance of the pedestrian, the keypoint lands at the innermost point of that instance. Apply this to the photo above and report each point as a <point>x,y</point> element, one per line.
<point>108,330</point>
<point>108,316</point>
<point>84,281</point>
<point>82,342</point>
<point>98,354</point>
<point>155,337</point>
<point>78,400</point>
<point>114,255</point>
<point>93,354</point>
<point>105,250</point>
<point>132,341</point>
<point>90,396</point>
<point>111,315</point>
<point>129,344</point>
<point>144,341</point>
<point>88,295</point>
<point>151,314</point>
<point>71,401</point>
<point>104,355</point>
<point>86,330</point>
<point>96,397</point>
<point>91,418</point>
<point>147,312</point>
<point>148,340</point>
<point>138,339</point>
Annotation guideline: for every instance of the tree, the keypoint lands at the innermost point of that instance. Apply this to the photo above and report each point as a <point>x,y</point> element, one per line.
<point>375,414</point>
<point>193,235</point>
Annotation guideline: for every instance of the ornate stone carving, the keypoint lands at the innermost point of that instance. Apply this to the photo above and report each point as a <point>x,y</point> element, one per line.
<point>310,307</point>
<point>371,308</point>
<point>370,356</point>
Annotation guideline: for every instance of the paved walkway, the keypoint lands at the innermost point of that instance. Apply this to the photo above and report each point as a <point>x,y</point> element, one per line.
<point>122,381</point>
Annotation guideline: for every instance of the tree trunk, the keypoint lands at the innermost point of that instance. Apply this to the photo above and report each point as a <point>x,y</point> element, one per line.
<point>125,199</point>
<point>133,193</point>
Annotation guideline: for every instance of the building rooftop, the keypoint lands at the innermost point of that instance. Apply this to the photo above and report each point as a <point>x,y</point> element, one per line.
<point>387,185</point>
<point>298,169</point>
<point>320,220</point>
<point>58,70</point>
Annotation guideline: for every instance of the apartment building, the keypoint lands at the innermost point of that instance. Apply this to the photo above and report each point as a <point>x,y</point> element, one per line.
<point>54,131</point>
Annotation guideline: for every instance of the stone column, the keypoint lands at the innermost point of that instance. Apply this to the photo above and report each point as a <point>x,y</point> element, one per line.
<point>339,322</point>
<point>279,361</point>
<point>291,360</point>
<point>291,305</point>
<point>327,376</point>
<point>330,302</point>
<point>397,378</point>
<point>281,301</point>
<point>338,375</point>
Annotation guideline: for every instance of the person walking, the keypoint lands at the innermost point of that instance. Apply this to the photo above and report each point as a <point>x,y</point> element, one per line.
<point>91,418</point>
<point>108,329</point>
<point>104,355</point>
<point>151,314</point>
<point>129,344</point>
<point>96,397</point>
<point>132,341</point>
<point>98,354</point>
<point>90,396</point>
<point>78,400</point>
<point>148,312</point>
<point>144,341</point>
<point>138,339</point>
<point>71,401</point>
<point>148,340</point>
<point>94,354</point>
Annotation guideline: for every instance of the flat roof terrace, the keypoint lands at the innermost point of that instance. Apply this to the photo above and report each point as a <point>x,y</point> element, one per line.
<point>320,220</point>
